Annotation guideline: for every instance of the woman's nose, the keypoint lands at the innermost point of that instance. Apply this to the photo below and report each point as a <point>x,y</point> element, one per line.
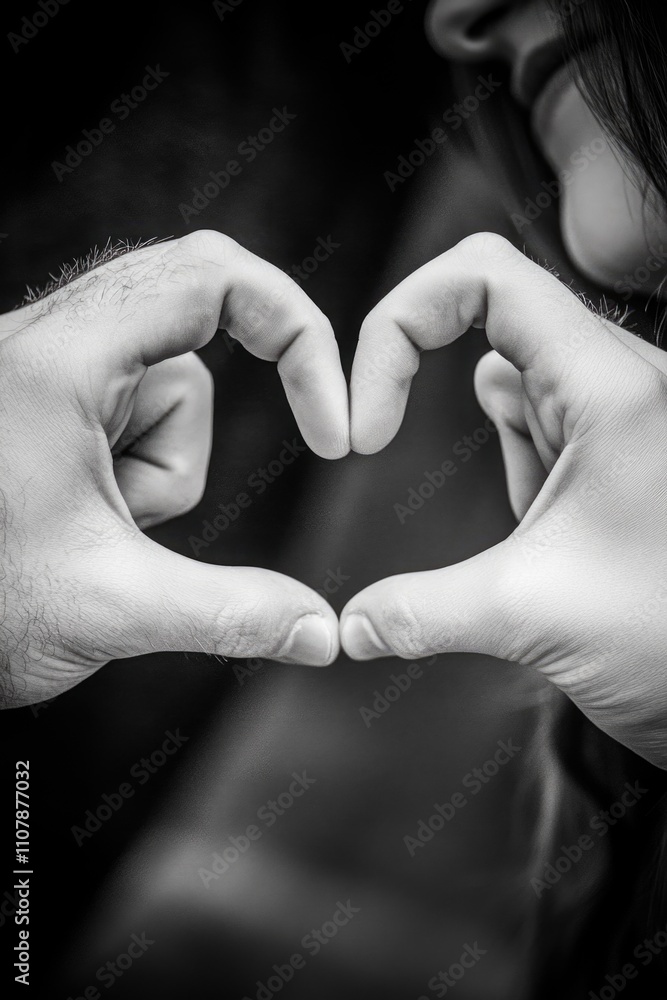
<point>468,29</point>
<point>524,33</point>
<point>488,29</point>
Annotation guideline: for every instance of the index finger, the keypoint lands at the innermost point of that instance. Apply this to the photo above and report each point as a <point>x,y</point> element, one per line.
<point>530,318</point>
<point>168,299</point>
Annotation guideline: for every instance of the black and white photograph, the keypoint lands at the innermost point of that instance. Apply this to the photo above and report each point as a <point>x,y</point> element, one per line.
<point>333,500</point>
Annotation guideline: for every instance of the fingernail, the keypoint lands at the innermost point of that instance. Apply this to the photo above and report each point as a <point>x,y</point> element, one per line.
<point>360,640</point>
<point>310,642</point>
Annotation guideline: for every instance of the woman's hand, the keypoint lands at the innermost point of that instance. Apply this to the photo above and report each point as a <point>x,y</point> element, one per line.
<point>105,424</point>
<point>579,590</point>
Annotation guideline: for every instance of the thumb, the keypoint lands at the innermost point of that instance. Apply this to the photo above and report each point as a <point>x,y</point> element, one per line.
<point>170,602</point>
<point>463,608</point>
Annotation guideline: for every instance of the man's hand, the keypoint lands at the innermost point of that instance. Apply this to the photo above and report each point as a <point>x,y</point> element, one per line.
<point>579,590</point>
<point>105,424</point>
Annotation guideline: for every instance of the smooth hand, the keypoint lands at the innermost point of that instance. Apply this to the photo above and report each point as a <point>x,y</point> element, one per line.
<point>579,589</point>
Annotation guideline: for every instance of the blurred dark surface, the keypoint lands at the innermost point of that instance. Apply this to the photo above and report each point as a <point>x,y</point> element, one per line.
<point>247,733</point>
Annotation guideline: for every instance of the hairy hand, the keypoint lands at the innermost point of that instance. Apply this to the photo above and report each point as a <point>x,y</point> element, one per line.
<point>106,426</point>
<point>579,590</point>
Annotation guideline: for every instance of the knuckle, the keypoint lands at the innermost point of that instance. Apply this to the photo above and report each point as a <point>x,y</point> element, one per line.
<point>196,268</point>
<point>209,244</point>
<point>401,627</point>
<point>240,626</point>
<point>489,248</point>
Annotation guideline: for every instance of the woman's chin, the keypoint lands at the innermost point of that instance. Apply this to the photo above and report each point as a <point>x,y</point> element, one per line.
<point>624,263</point>
<point>612,233</point>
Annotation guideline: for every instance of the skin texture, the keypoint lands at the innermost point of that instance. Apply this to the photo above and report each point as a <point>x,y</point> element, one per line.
<point>113,427</point>
<point>106,418</point>
<point>578,591</point>
<point>116,424</point>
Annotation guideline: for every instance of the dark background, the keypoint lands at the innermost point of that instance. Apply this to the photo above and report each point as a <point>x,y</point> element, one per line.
<point>321,177</point>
